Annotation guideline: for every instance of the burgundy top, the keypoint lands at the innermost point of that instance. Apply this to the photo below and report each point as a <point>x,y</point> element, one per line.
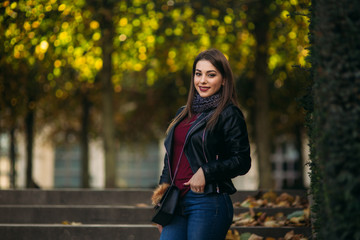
<point>184,171</point>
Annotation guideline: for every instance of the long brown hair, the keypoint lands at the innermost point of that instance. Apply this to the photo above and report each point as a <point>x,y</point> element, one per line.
<point>228,93</point>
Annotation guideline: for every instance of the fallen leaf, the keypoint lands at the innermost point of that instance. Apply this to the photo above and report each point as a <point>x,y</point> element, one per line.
<point>270,196</point>
<point>71,223</point>
<point>232,235</point>
<point>296,214</point>
<point>245,236</point>
<point>255,237</point>
<point>289,235</point>
<point>76,223</point>
<point>142,205</point>
<point>271,223</point>
<point>285,197</point>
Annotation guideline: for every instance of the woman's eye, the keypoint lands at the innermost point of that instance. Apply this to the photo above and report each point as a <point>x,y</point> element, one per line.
<point>198,74</point>
<point>212,75</point>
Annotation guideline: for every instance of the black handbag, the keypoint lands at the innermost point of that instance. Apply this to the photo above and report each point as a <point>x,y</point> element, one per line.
<point>164,211</point>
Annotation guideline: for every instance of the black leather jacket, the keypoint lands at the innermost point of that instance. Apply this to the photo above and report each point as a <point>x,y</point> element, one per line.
<point>223,153</point>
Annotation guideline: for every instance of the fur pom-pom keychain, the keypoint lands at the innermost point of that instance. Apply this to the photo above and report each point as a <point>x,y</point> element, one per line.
<point>158,193</point>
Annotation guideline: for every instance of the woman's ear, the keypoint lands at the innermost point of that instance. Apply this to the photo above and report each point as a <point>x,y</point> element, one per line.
<point>223,82</point>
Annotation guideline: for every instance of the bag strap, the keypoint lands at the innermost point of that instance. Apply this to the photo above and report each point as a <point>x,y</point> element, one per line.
<point>177,167</point>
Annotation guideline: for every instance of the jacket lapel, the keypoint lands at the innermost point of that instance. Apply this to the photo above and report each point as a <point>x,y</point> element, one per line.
<point>199,123</point>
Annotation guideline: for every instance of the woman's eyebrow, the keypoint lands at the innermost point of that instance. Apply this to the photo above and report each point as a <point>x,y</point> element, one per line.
<point>198,70</point>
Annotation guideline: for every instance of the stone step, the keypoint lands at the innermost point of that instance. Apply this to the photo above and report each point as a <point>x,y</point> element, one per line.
<point>96,214</point>
<point>240,196</point>
<point>52,214</point>
<point>268,211</point>
<point>274,232</point>
<point>82,232</point>
<point>100,197</point>
<point>112,232</point>
<point>75,197</point>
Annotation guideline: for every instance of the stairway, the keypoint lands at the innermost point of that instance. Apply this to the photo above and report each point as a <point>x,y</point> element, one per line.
<point>270,232</point>
<point>97,214</point>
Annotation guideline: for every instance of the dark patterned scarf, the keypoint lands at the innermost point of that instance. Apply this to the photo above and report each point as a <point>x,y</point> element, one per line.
<point>200,104</point>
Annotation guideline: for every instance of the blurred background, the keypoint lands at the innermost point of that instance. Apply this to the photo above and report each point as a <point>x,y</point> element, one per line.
<point>89,87</point>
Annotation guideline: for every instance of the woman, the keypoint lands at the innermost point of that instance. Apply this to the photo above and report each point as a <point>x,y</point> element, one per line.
<point>208,141</point>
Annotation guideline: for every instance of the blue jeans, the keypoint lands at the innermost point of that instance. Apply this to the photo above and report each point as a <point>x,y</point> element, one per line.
<point>205,217</point>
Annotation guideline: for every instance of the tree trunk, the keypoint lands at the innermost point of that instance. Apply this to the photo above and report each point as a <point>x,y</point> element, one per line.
<point>85,142</point>
<point>12,155</point>
<point>103,13</point>
<point>108,111</point>
<point>29,132</point>
<point>262,124</point>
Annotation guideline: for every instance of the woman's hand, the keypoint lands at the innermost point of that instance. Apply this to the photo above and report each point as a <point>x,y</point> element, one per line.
<point>197,182</point>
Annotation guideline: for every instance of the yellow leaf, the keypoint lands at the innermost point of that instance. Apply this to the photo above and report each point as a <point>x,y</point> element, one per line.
<point>255,237</point>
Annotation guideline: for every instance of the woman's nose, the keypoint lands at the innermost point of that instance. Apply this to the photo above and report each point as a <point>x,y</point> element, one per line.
<point>203,79</point>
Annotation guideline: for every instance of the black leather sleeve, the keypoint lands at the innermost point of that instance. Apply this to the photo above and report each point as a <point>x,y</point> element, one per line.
<point>165,175</point>
<point>236,160</point>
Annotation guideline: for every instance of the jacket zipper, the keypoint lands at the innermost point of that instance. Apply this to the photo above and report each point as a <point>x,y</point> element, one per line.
<point>203,145</point>
<point>217,156</point>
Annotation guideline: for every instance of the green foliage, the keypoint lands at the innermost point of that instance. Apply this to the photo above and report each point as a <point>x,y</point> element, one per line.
<point>58,61</point>
<point>57,44</point>
<point>335,129</point>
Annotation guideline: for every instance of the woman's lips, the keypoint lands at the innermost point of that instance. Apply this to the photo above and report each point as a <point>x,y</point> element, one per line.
<point>204,89</point>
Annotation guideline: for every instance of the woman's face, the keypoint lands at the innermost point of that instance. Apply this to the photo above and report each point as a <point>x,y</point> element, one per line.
<point>207,79</point>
